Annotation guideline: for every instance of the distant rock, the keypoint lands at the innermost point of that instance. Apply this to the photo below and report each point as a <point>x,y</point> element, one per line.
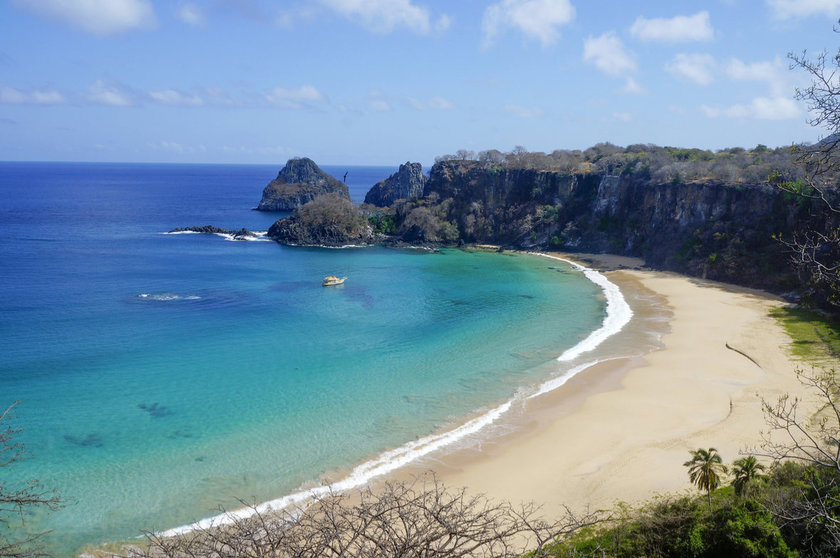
<point>405,184</point>
<point>241,234</point>
<point>298,183</point>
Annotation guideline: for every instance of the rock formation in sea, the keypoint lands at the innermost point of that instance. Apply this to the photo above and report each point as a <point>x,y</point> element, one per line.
<point>298,183</point>
<point>241,234</point>
<point>405,184</point>
<point>328,220</point>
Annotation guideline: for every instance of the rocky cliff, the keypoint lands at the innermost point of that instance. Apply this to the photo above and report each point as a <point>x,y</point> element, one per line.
<point>298,183</point>
<point>704,228</point>
<point>407,183</point>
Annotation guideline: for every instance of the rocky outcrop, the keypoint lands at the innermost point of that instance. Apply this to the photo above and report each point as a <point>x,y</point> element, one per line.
<point>298,183</point>
<point>329,220</point>
<point>407,183</point>
<point>241,234</point>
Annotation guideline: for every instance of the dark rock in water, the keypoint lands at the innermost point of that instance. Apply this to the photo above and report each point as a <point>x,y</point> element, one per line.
<point>298,183</point>
<point>155,410</point>
<point>241,234</point>
<point>405,184</point>
<point>329,220</point>
<point>91,440</point>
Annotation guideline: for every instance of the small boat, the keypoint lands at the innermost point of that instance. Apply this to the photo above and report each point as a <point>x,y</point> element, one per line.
<point>331,280</point>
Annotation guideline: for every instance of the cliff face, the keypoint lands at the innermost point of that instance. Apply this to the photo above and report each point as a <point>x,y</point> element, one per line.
<point>405,184</point>
<point>298,183</point>
<point>708,229</point>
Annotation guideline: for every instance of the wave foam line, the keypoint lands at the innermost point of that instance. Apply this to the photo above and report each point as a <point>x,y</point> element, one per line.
<point>618,315</point>
<point>618,311</point>
<point>361,475</point>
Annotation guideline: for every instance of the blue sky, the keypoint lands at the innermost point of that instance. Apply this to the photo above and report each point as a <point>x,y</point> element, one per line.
<point>386,81</point>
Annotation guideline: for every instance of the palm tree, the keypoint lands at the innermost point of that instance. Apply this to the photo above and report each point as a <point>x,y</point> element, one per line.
<point>745,470</point>
<point>705,469</point>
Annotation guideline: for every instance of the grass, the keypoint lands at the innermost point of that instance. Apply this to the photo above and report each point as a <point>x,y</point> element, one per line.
<point>815,337</point>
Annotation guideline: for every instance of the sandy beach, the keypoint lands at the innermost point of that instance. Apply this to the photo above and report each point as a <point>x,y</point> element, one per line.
<point>621,430</point>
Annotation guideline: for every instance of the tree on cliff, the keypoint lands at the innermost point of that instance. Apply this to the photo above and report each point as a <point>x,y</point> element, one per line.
<point>817,251</point>
<point>16,502</point>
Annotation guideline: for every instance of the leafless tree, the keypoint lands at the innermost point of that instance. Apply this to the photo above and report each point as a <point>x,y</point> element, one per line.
<point>16,501</point>
<point>817,250</point>
<point>812,439</point>
<point>421,518</point>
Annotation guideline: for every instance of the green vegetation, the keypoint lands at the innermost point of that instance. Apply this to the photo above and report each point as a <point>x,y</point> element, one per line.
<point>815,336</point>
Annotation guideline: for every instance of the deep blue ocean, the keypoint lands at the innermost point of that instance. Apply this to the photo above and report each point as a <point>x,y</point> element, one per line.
<point>163,377</point>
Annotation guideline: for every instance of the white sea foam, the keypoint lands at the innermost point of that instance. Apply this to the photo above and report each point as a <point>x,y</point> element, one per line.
<point>618,312</point>
<point>384,463</point>
<point>258,236</point>
<point>618,315</point>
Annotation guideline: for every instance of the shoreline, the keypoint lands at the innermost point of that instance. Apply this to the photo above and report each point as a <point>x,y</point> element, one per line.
<point>459,434</point>
<point>621,429</point>
<point>567,444</point>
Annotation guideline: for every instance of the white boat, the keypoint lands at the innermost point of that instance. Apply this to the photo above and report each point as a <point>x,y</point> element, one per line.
<point>331,280</point>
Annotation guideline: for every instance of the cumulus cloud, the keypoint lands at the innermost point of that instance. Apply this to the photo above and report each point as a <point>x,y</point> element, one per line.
<point>696,68</point>
<point>632,86</point>
<point>173,97</point>
<point>536,19</point>
<point>100,17</point>
<point>778,104</point>
<point>608,54</point>
<point>772,73</point>
<point>676,29</point>
<point>760,108</point>
<point>525,112</point>
<point>440,103</point>
<point>383,16</point>
<point>191,14</point>
<point>788,9</point>
<point>12,96</point>
<point>303,96</point>
<point>102,93</point>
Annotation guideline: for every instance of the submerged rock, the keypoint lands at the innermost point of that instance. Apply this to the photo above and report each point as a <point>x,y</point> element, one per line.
<point>405,184</point>
<point>298,183</point>
<point>241,234</point>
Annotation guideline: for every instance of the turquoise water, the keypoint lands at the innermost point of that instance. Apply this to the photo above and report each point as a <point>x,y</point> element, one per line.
<point>166,376</point>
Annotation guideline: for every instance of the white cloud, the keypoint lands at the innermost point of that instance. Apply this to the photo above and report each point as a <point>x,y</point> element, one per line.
<point>380,105</point>
<point>633,87</point>
<point>536,19</point>
<point>443,23</point>
<point>12,96</point>
<point>103,93</point>
<point>525,112</point>
<point>772,73</point>
<point>173,97</point>
<point>787,9</point>
<point>608,54</point>
<point>383,16</point>
<point>191,14</point>
<point>676,29</point>
<point>623,116</point>
<point>294,98</point>
<point>100,17</point>
<point>760,108</point>
<point>440,103</point>
<point>696,68</point>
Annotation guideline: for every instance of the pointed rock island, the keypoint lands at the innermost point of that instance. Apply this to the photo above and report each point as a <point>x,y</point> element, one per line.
<point>298,183</point>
